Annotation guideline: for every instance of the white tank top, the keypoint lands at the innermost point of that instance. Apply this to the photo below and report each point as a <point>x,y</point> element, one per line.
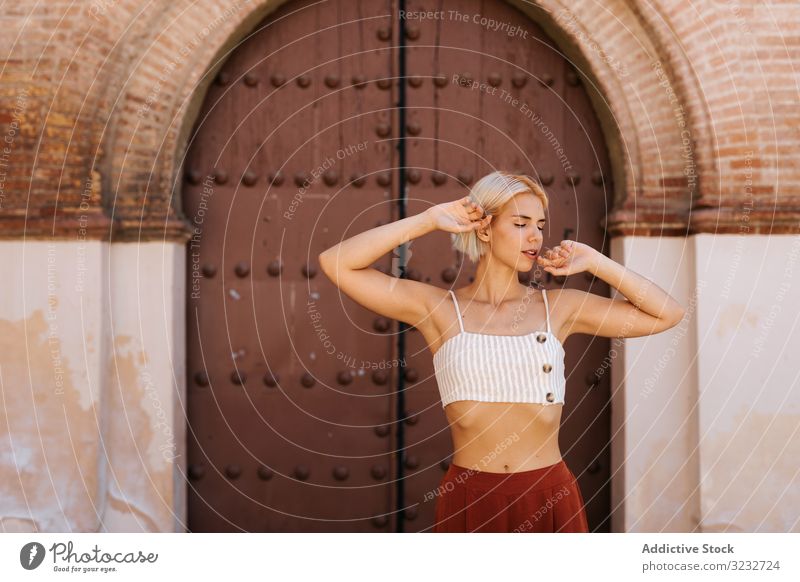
<point>501,368</point>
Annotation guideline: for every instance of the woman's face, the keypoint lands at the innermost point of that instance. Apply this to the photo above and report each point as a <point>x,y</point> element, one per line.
<point>515,229</point>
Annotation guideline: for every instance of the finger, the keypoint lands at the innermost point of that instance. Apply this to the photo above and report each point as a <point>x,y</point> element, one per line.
<point>556,271</point>
<point>471,211</point>
<point>483,222</point>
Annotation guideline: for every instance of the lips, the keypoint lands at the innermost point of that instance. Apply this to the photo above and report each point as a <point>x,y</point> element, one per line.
<point>530,254</point>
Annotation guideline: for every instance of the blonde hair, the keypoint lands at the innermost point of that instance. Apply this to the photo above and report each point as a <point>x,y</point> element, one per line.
<point>492,192</point>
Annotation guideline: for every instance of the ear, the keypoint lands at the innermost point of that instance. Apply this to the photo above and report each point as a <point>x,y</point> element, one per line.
<point>481,231</point>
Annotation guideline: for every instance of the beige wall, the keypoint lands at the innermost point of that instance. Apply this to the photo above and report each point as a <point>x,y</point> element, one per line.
<point>92,377</point>
<point>748,373</point>
<point>710,440</point>
<point>653,405</point>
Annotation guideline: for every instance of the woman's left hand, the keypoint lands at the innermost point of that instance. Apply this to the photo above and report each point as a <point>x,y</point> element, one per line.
<point>568,258</point>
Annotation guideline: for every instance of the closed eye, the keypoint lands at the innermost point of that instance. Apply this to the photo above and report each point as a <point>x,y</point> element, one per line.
<point>541,229</point>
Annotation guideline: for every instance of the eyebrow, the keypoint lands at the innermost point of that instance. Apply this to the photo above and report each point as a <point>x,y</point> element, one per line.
<point>527,217</point>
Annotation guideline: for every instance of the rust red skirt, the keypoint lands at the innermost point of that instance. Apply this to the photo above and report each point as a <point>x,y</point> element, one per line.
<point>547,499</point>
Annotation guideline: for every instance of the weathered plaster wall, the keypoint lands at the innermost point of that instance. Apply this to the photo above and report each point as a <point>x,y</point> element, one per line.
<point>711,432</point>
<point>92,372</point>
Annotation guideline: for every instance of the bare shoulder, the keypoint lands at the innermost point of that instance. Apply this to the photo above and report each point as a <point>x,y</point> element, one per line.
<point>441,317</point>
<point>563,304</point>
<point>565,296</point>
<point>428,294</point>
<point>437,302</point>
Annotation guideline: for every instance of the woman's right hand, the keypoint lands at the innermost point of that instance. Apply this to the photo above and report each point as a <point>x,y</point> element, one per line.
<point>462,215</point>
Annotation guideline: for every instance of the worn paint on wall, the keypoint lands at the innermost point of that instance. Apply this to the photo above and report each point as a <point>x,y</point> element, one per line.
<point>50,450</point>
<point>86,439</point>
<point>751,481</point>
<point>137,469</point>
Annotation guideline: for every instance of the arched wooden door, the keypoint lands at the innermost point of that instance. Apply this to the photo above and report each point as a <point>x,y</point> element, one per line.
<point>306,411</point>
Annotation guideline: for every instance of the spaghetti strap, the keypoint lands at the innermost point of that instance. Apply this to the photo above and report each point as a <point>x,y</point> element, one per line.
<point>458,310</point>
<point>546,310</point>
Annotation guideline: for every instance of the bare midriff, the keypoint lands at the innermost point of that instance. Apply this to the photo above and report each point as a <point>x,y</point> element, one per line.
<point>504,437</point>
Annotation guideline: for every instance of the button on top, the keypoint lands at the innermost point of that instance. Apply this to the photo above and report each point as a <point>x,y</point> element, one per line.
<point>547,367</point>
<point>541,338</point>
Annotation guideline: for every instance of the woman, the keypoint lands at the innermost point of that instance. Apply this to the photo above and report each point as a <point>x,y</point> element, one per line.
<point>498,347</point>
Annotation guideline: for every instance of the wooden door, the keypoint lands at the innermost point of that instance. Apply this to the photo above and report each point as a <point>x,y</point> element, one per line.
<point>307,412</point>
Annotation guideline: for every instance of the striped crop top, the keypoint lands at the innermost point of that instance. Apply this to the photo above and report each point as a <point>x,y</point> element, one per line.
<point>501,368</point>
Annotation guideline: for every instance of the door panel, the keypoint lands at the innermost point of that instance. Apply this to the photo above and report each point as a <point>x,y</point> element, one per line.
<point>287,426</point>
<point>533,117</point>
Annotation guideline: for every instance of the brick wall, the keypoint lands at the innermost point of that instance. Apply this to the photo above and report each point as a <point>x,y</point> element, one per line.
<point>698,100</point>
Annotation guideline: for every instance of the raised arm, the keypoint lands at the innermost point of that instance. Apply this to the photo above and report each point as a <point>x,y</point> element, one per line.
<point>647,309</point>
<point>348,263</point>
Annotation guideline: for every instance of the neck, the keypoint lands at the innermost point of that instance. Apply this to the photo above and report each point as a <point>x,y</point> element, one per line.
<point>495,283</point>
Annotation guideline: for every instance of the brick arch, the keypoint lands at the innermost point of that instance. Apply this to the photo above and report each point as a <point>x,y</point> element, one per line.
<point>642,131</point>
<point>639,121</point>
<point>172,61</point>
<point>685,77</point>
